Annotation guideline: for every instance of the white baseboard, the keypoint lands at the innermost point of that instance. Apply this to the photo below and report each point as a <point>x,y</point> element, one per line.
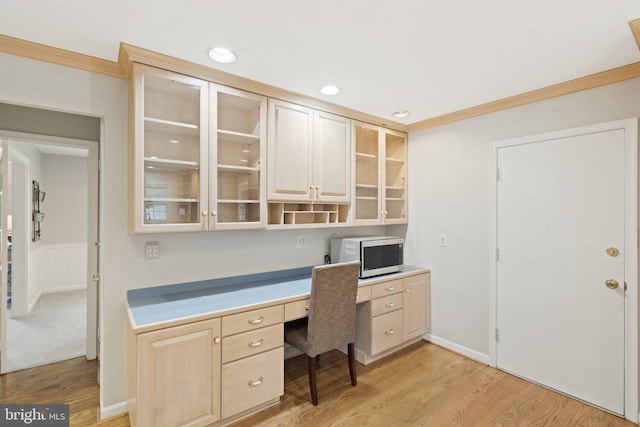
<point>33,303</point>
<point>50,291</point>
<point>113,411</point>
<point>457,348</point>
<point>64,289</point>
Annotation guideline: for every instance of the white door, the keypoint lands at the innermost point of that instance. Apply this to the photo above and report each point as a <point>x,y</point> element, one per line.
<point>560,206</point>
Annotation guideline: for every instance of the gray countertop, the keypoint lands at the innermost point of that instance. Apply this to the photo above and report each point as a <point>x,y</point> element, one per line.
<point>164,304</point>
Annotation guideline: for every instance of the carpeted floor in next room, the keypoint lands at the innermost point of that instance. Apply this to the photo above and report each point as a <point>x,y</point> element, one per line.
<point>54,331</point>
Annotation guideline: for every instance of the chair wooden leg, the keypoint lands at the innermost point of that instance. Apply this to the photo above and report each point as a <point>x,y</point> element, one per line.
<point>311,362</point>
<point>352,363</point>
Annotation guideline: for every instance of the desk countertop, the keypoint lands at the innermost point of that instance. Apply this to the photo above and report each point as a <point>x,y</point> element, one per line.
<point>161,306</point>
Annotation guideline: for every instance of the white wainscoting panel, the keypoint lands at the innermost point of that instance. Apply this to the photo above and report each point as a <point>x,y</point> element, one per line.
<point>64,267</point>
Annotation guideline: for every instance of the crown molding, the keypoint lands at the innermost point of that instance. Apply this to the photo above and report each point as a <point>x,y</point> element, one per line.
<point>635,29</point>
<point>129,54</point>
<point>54,55</point>
<point>614,75</point>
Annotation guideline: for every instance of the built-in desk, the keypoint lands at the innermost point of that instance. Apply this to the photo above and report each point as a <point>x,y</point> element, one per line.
<point>209,352</point>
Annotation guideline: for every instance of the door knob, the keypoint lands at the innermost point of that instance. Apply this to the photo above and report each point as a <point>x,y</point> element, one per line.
<point>612,251</point>
<point>612,284</point>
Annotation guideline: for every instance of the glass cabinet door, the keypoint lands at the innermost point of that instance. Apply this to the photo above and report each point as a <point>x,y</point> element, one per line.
<point>395,176</point>
<point>171,144</point>
<point>380,175</point>
<point>238,134</point>
<point>367,209</point>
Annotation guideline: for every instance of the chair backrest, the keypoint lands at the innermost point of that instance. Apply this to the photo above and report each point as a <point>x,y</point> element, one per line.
<point>332,306</point>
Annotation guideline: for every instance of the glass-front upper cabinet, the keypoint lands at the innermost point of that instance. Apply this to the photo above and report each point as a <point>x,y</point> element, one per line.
<point>380,175</point>
<point>170,151</point>
<point>237,180</point>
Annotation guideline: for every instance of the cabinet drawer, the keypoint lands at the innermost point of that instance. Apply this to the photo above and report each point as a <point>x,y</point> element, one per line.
<point>386,288</point>
<point>251,381</point>
<point>250,320</point>
<point>386,331</point>
<point>296,310</point>
<point>364,294</point>
<point>386,304</point>
<point>252,342</point>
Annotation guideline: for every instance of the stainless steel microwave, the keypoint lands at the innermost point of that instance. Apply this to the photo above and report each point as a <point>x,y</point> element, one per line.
<point>377,254</point>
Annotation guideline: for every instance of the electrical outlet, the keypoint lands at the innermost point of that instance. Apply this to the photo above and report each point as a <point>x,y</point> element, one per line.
<point>301,242</point>
<point>152,250</point>
<point>442,240</point>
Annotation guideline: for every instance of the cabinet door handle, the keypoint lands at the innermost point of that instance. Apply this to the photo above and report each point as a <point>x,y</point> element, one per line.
<point>213,213</point>
<point>256,343</point>
<point>389,305</point>
<point>307,308</point>
<point>217,340</point>
<point>256,383</point>
<point>389,332</point>
<point>203,213</point>
<point>256,321</point>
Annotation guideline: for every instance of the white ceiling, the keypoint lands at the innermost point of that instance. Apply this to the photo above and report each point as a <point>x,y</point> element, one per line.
<point>431,57</point>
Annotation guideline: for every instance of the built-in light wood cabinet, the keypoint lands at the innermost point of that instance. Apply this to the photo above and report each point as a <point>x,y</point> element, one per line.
<point>416,305</point>
<point>380,175</point>
<point>237,154</point>
<point>397,315</point>
<point>309,172</point>
<point>197,154</point>
<point>178,376</point>
<point>169,149</point>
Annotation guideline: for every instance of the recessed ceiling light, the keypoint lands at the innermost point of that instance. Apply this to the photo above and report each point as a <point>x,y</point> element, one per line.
<point>329,90</point>
<point>222,55</point>
<point>174,141</point>
<point>401,114</point>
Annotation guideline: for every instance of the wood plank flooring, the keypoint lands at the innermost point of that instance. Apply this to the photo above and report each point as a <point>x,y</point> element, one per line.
<point>423,385</point>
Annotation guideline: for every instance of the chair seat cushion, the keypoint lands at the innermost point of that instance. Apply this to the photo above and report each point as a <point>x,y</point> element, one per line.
<point>295,334</point>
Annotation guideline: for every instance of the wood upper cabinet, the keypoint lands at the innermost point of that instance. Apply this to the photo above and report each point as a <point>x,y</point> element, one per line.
<point>309,154</point>
<point>380,175</point>
<point>290,152</point>
<point>416,305</point>
<point>237,159</point>
<point>179,375</point>
<point>197,154</point>
<point>169,150</point>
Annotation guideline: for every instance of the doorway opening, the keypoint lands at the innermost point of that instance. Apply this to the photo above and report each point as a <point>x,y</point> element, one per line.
<point>49,303</point>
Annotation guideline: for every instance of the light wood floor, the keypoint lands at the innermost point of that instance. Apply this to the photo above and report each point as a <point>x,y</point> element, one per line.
<point>423,385</point>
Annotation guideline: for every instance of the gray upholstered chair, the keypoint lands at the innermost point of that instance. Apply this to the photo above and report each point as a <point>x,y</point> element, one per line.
<point>332,318</point>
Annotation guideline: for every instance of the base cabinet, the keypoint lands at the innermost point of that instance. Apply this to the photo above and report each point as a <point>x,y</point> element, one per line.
<point>397,315</point>
<point>178,376</point>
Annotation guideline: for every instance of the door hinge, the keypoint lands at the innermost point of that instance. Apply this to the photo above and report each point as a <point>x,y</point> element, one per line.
<point>498,174</point>
<point>497,254</point>
<point>96,278</point>
<point>497,335</point>
<point>98,244</point>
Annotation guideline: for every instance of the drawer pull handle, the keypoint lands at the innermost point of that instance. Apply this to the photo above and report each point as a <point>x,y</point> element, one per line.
<point>256,383</point>
<point>389,305</point>
<point>217,340</point>
<point>389,289</point>
<point>256,343</point>
<point>307,308</point>
<point>256,321</point>
<point>389,332</point>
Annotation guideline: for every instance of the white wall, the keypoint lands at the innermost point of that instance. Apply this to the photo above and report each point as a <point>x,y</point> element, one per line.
<point>64,180</point>
<point>32,264</point>
<point>453,164</point>
<point>184,256</point>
